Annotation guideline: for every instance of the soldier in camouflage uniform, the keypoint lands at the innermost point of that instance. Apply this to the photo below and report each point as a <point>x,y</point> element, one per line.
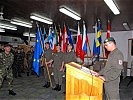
<point>18,62</point>
<point>6,61</point>
<point>112,71</point>
<point>58,63</point>
<point>22,61</point>
<point>29,58</point>
<point>48,55</point>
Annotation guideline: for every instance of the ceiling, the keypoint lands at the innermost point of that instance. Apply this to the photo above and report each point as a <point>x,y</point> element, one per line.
<point>89,10</point>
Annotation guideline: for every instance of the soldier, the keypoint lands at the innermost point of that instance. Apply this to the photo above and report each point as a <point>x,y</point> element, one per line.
<point>58,63</point>
<point>22,62</point>
<point>112,71</point>
<point>6,61</point>
<point>18,62</point>
<point>29,58</point>
<point>48,56</point>
<point>14,51</point>
<point>70,56</point>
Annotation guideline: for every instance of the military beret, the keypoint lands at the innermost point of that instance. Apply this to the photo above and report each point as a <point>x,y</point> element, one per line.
<point>7,45</point>
<point>109,39</point>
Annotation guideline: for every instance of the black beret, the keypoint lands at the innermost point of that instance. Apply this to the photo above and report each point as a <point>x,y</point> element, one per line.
<point>7,45</point>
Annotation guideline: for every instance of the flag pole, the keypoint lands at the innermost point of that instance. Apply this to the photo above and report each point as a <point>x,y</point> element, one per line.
<point>89,48</point>
<point>48,72</point>
<point>103,50</point>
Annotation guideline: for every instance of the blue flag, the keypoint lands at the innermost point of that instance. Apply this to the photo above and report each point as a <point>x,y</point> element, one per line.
<point>38,49</point>
<point>70,38</point>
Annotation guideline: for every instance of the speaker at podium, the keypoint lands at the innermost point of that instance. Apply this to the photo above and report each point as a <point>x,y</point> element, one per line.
<point>81,84</point>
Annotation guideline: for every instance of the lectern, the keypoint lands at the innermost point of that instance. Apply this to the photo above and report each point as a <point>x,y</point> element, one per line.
<point>81,84</point>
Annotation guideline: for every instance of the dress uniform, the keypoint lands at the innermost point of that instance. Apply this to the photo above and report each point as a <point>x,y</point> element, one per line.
<point>70,56</point>
<point>6,61</point>
<point>48,56</point>
<point>58,63</point>
<point>112,71</point>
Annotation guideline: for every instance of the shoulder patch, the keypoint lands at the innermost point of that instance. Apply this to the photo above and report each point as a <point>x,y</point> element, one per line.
<point>120,62</point>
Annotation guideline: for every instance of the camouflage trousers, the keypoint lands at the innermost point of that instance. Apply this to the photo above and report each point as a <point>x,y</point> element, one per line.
<point>6,73</point>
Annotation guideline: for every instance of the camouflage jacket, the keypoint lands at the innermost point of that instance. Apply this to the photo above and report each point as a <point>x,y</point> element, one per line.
<point>6,60</point>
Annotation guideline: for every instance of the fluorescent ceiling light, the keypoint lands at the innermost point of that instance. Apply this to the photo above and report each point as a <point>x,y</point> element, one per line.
<point>40,18</point>
<point>7,26</point>
<point>126,26</point>
<point>2,30</point>
<point>29,34</point>
<point>112,6</point>
<point>20,22</point>
<point>69,12</point>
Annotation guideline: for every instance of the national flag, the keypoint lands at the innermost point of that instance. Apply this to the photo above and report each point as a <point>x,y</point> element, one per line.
<point>38,49</point>
<point>70,40</point>
<point>43,37</point>
<point>97,39</point>
<point>55,39</point>
<point>60,39</point>
<point>65,39</point>
<point>84,43</point>
<point>51,37</point>
<point>107,36</point>
<point>78,43</point>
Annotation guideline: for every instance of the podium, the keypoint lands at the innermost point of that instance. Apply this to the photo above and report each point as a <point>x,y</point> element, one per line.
<point>81,85</point>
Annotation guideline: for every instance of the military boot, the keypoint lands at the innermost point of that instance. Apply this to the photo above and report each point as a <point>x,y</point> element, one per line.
<point>56,87</point>
<point>59,88</point>
<point>11,92</point>
<point>27,73</point>
<point>48,85</point>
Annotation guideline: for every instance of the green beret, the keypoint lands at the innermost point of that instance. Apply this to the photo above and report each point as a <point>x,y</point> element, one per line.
<point>109,39</point>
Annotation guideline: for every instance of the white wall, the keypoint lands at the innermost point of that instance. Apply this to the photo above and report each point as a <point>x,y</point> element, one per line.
<point>121,38</point>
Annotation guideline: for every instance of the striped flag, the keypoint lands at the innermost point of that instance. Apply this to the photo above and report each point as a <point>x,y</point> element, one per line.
<point>65,39</point>
<point>84,43</point>
<point>78,43</point>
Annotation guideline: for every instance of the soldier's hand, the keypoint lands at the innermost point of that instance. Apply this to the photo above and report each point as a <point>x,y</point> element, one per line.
<point>61,69</point>
<point>101,77</point>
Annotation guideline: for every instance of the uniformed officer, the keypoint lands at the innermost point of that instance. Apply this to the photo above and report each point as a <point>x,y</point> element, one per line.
<point>58,63</point>
<point>48,56</point>
<point>112,71</point>
<point>6,61</point>
<point>70,56</point>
